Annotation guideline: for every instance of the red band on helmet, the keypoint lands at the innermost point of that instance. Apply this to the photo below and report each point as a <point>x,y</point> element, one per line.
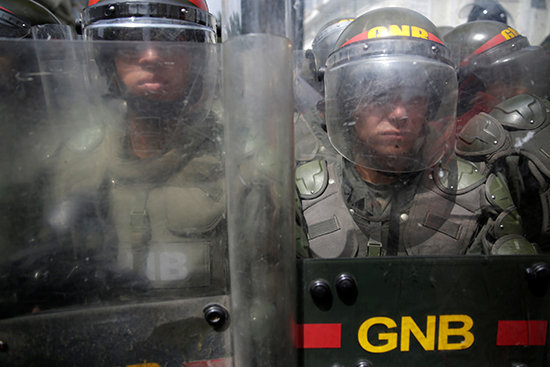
<point>496,40</point>
<point>92,2</point>
<point>201,4</point>
<point>6,10</point>
<point>360,37</point>
<point>433,37</point>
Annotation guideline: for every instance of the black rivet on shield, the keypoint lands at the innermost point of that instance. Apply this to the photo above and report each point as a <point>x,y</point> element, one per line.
<point>346,287</point>
<point>321,294</point>
<point>78,26</point>
<point>538,279</point>
<point>363,363</point>
<point>217,316</point>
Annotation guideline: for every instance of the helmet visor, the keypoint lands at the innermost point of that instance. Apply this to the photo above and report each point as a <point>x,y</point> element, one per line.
<point>391,114</point>
<point>148,29</point>
<point>176,78</point>
<point>513,71</point>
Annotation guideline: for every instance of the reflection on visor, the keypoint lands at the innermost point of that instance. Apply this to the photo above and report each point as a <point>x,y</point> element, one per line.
<point>161,34</point>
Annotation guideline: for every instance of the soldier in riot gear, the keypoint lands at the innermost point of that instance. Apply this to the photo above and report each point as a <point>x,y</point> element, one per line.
<point>312,122</point>
<point>496,67</point>
<point>324,42</point>
<point>134,191</point>
<point>512,140</point>
<point>146,187</point>
<point>390,109</point>
<point>495,63</point>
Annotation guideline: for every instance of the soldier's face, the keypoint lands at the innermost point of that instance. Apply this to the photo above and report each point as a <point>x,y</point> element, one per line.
<point>153,72</point>
<point>391,126</point>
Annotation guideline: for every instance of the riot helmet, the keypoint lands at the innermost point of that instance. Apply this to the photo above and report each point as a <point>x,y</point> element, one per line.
<point>485,10</point>
<point>178,82</point>
<point>391,92</point>
<point>157,20</point>
<point>29,19</point>
<point>324,41</point>
<point>494,58</point>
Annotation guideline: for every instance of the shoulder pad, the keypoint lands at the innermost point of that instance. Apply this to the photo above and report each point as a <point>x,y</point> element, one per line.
<point>497,193</point>
<point>86,140</point>
<point>523,112</point>
<point>508,222</point>
<point>312,179</point>
<point>527,119</point>
<point>513,245</point>
<point>482,136</point>
<point>468,175</point>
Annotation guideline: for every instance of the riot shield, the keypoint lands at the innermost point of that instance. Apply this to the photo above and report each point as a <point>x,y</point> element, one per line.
<point>114,235</point>
<point>457,311</point>
<point>258,105</point>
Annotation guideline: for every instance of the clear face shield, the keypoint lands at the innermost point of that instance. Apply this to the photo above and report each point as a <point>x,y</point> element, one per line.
<point>164,71</point>
<point>391,114</point>
<point>516,68</point>
<point>148,29</point>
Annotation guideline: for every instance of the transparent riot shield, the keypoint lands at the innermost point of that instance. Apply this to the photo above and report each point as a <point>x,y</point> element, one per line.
<point>259,145</point>
<point>113,232</point>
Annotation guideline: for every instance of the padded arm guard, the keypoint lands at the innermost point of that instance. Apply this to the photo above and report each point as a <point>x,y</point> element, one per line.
<point>311,182</point>
<point>504,234</point>
<point>519,125</point>
<point>516,135</point>
<point>312,179</point>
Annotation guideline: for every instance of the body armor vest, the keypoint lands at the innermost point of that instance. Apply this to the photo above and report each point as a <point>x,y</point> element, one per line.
<point>515,138</point>
<point>443,215</point>
<point>167,213</point>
